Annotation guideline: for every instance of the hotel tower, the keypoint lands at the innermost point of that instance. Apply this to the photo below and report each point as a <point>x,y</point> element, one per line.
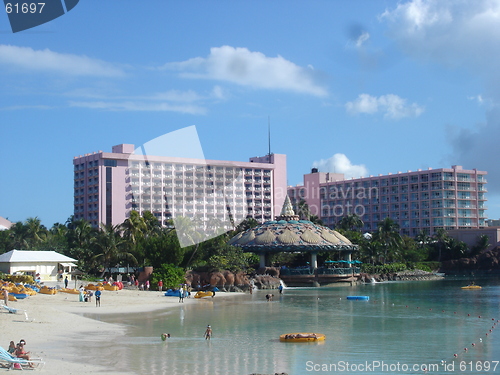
<point>108,186</point>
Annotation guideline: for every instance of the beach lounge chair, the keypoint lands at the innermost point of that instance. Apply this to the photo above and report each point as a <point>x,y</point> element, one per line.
<point>11,362</point>
<point>12,310</point>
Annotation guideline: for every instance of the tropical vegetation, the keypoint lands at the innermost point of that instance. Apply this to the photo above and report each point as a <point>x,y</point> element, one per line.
<point>140,241</point>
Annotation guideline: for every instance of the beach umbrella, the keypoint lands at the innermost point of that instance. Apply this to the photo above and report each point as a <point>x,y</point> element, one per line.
<point>76,273</point>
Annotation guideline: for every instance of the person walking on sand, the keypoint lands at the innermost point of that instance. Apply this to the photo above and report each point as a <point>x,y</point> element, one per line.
<point>208,333</point>
<point>181,295</point>
<point>97,298</point>
<point>66,282</point>
<point>160,285</point>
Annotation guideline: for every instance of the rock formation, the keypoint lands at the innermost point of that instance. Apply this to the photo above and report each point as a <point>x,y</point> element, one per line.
<point>486,262</point>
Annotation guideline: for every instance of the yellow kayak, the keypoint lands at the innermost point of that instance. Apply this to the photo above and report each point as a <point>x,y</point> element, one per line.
<point>302,337</point>
<point>472,287</point>
<point>201,294</point>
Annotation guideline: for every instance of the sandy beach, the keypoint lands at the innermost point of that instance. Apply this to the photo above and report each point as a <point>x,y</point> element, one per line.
<point>55,320</point>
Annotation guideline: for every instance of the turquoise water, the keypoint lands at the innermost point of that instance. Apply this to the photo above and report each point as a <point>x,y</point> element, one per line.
<point>405,327</point>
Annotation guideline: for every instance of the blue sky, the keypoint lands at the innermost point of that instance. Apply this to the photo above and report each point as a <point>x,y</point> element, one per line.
<point>360,87</point>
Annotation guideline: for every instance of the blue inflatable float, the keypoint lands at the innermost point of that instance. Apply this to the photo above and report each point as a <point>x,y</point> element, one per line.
<point>19,295</point>
<point>359,298</point>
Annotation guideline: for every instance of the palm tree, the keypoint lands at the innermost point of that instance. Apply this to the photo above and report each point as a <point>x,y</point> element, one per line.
<point>19,235</point>
<point>111,247</point>
<point>153,226</point>
<point>351,222</point>
<point>80,233</point>
<point>388,235</point>
<point>481,245</point>
<point>35,230</point>
<point>301,208</point>
<point>423,239</point>
<point>134,227</point>
<point>246,224</point>
<point>442,240</point>
<point>186,232</point>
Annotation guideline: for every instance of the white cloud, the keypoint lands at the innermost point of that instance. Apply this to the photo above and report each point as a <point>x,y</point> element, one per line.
<point>460,34</point>
<point>362,38</point>
<point>339,163</point>
<point>247,68</point>
<point>219,93</point>
<point>139,106</point>
<point>455,33</point>
<point>46,60</point>
<point>171,100</point>
<point>393,106</point>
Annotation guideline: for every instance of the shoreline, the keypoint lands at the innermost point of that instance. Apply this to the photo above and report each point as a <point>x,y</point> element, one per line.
<point>56,323</point>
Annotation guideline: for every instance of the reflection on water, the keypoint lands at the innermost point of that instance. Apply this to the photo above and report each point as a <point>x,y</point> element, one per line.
<point>408,322</point>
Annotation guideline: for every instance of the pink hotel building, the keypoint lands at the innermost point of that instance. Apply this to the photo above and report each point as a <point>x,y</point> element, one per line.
<point>425,200</point>
<point>107,186</point>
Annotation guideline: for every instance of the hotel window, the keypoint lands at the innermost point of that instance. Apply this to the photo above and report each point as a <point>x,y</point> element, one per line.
<point>436,176</point>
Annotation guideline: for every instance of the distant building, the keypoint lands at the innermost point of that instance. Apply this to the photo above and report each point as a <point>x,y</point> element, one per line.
<point>471,236</point>
<point>424,200</point>
<point>4,224</point>
<point>493,222</point>
<point>48,264</point>
<point>108,186</point>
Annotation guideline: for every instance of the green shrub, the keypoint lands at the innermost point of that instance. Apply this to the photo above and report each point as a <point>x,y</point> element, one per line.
<point>384,268</point>
<point>171,276</point>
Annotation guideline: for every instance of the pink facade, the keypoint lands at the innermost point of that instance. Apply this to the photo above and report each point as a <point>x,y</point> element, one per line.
<point>424,200</point>
<point>109,185</point>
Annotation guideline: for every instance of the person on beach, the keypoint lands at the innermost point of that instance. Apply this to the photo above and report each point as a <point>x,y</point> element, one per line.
<point>98,298</point>
<point>181,295</point>
<point>5,297</point>
<point>66,281</point>
<point>20,353</point>
<point>165,336</point>
<point>12,347</point>
<point>89,295</point>
<point>269,297</point>
<point>160,285</point>
<point>280,288</point>
<point>147,285</point>
<point>208,333</point>
<point>82,293</point>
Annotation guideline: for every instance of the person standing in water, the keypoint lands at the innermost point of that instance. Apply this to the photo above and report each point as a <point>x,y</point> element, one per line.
<point>208,333</point>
